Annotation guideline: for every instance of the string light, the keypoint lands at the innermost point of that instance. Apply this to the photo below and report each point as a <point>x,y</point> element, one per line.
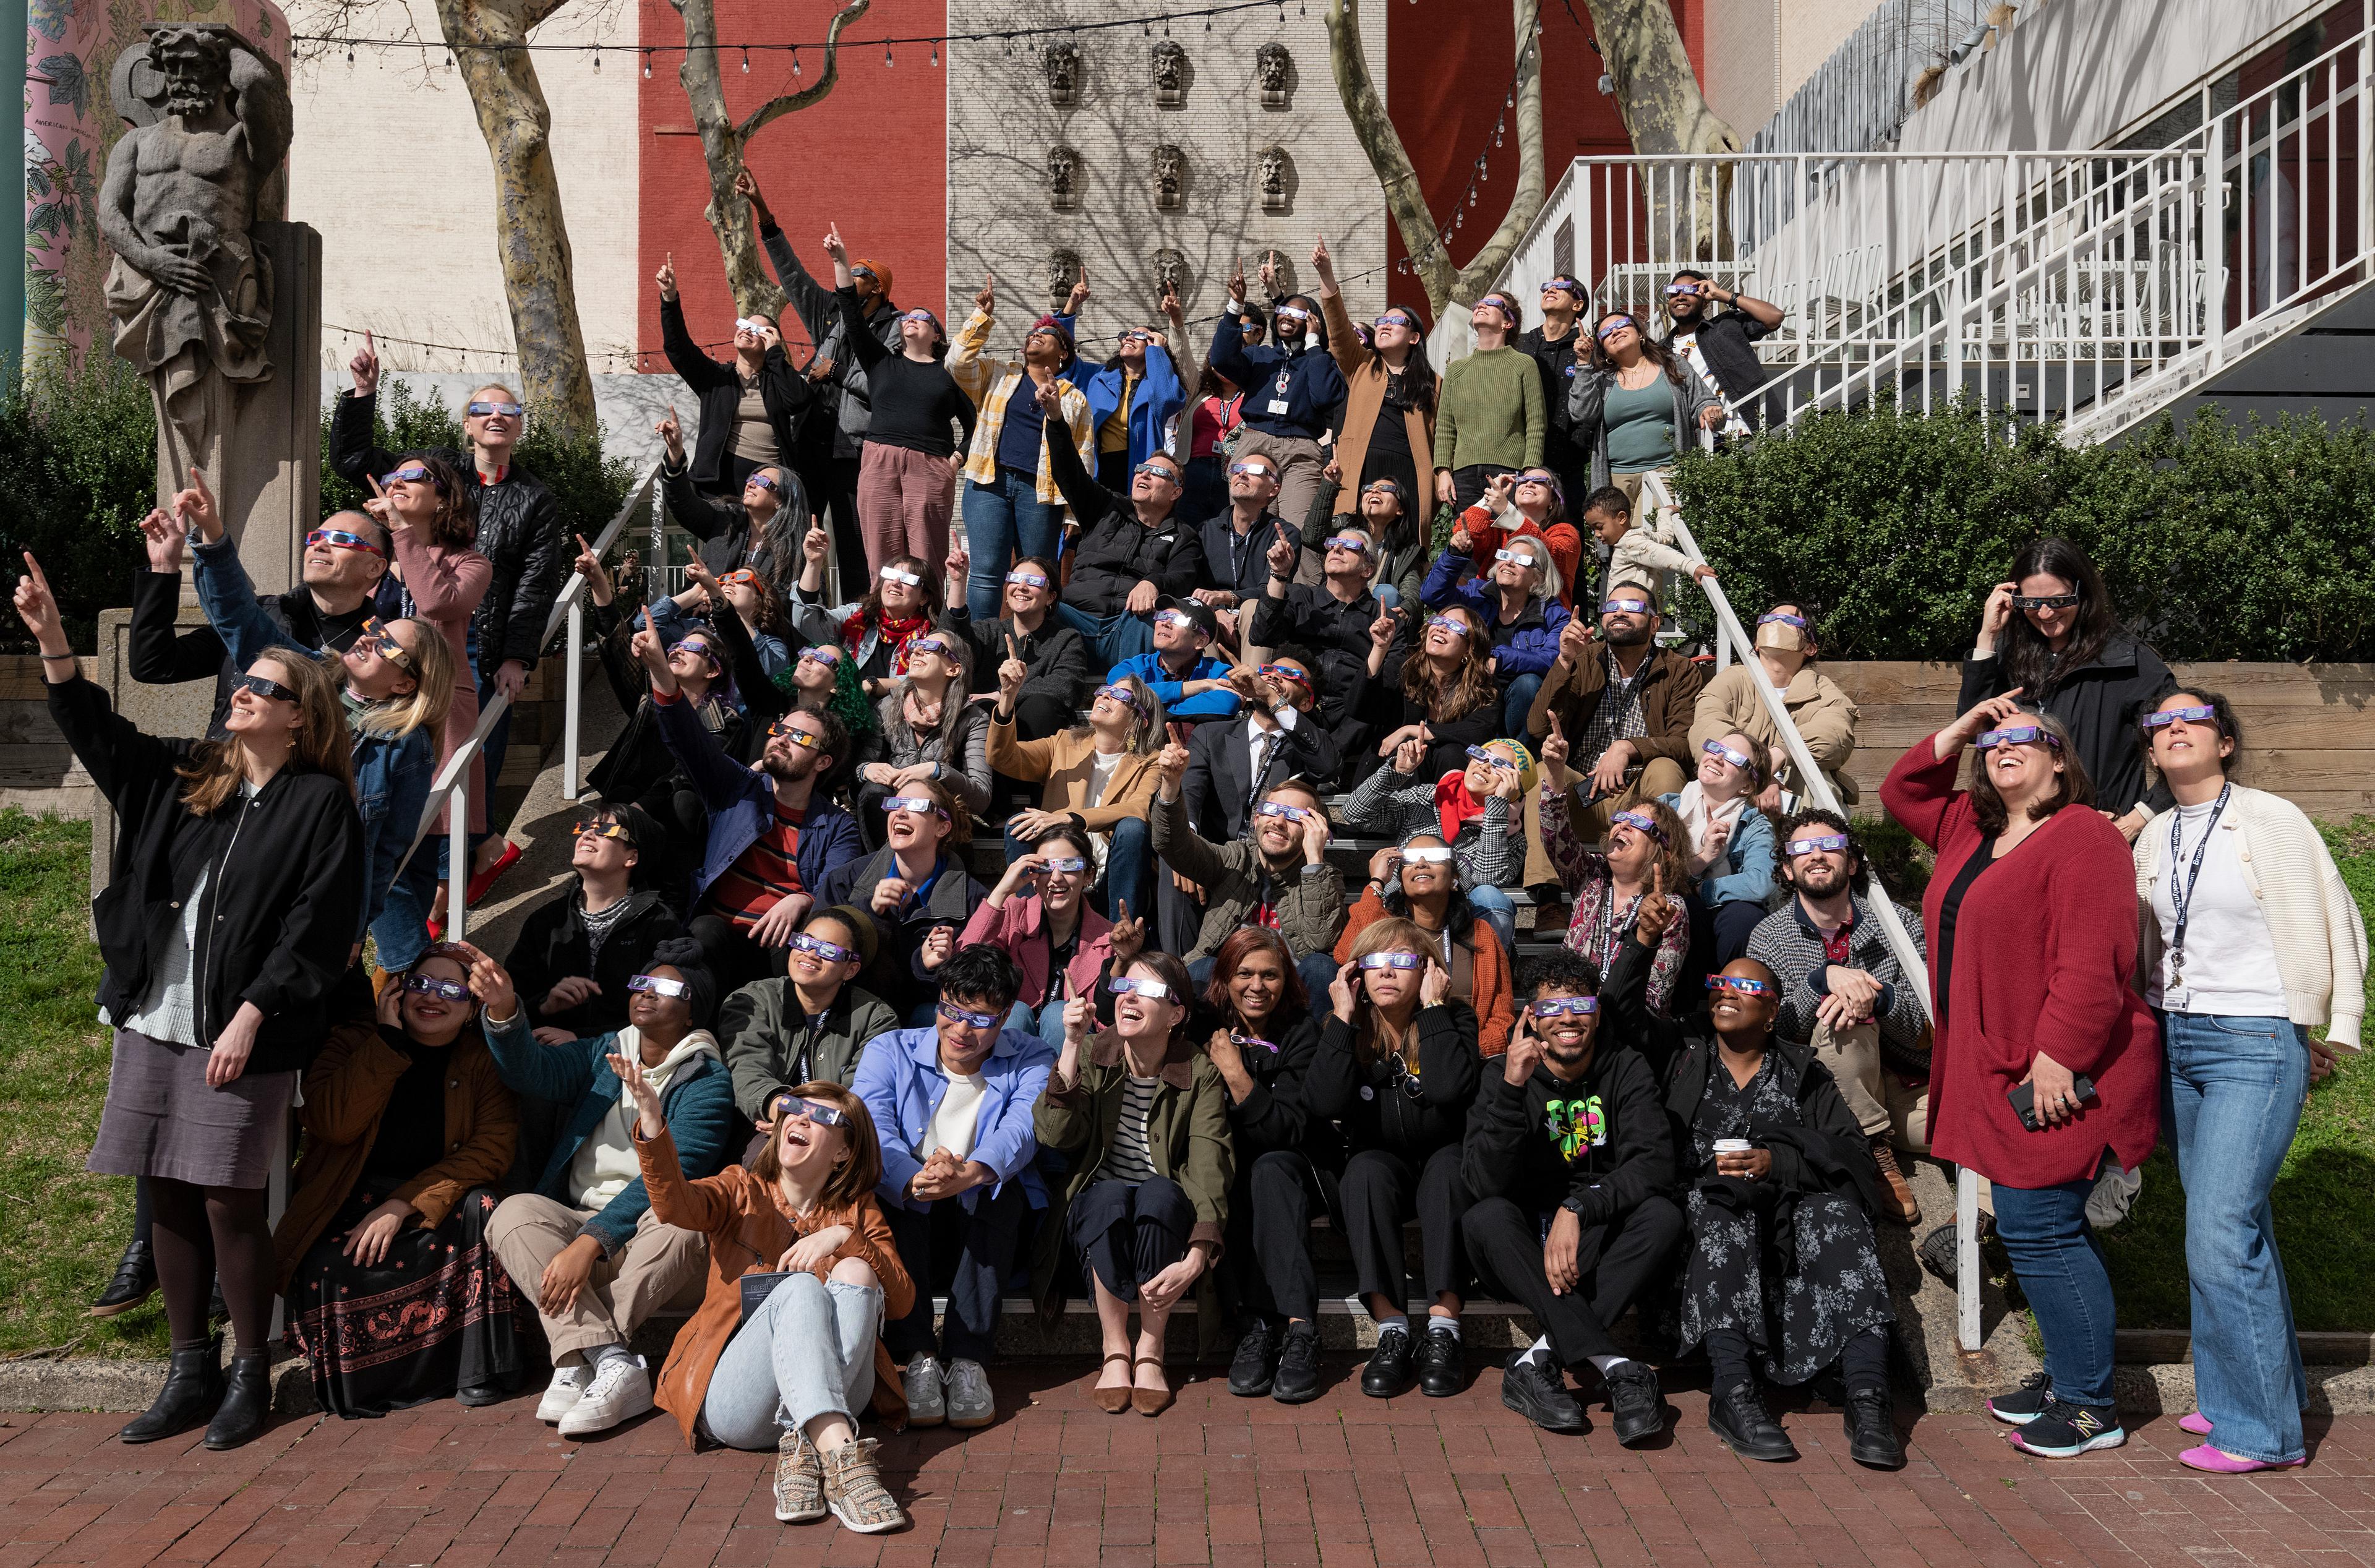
<point>746,59</point>
<point>886,53</point>
<point>795,62</point>
<point>647,65</point>
<point>936,55</point>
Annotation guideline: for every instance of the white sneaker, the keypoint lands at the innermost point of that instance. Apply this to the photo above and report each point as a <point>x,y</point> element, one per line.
<point>925,1384</point>
<point>970,1402</point>
<point>621,1390</point>
<point>561,1396</point>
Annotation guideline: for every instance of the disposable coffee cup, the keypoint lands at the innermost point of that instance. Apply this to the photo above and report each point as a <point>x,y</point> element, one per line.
<point>1731,1146</point>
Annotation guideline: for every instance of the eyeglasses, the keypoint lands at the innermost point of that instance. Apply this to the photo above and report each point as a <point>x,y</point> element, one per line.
<point>830,952</point>
<point>343,540</point>
<point>1524,557</point>
<point>1251,470</point>
<point>1640,821</point>
<point>1027,579</point>
<point>1494,758</point>
<point>2043,601</point>
<point>893,574</point>
<point>2168,716</point>
<point>1447,624</point>
<point>927,645</point>
<point>1426,855</point>
<point>1796,847</point>
<point>822,1113</point>
<point>918,803</point>
<point>1286,672</point>
<point>1741,984</point>
<point>430,985</point>
<point>1158,470</point>
<point>782,730</point>
<point>2018,735</point>
<point>601,829</point>
<point>374,639</point>
<point>1280,808</point>
<point>1068,862</point>
<point>1717,748</point>
<point>1625,606</point>
<point>480,410</point>
<point>1402,1076</point>
<point>956,1014</point>
<point>1252,1042</point>
<point>1566,1006</point>
<point>411,471</point>
<point>263,687</point>
<point>822,655</point>
<point>1769,616</point>
<point>1356,543</point>
<point>658,985</point>
<point>752,323</point>
<point>1119,694</point>
<point>1123,985</point>
<point>1391,960</point>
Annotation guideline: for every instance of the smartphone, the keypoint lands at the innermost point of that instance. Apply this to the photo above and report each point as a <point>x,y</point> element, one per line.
<point>2023,1099</point>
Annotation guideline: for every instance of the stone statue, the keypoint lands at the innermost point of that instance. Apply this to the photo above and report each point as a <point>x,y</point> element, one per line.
<point>191,293</point>
<point>1170,73</point>
<point>1274,68</point>
<point>1063,271</point>
<point>1063,178</point>
<point>1276,170</point>
<point>1063,62</point>
<point>1171,272</point>
<point>1170,177</point>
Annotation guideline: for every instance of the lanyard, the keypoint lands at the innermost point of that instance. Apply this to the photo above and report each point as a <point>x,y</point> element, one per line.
<point>2180,894</point>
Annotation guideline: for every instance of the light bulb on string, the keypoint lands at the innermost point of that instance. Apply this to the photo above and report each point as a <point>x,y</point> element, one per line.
<point>936,51</point>
<point>598,59</point>
<point>795,60</point>
<point>746,59</point>
<point>647,65</point>
<point>887,60</point>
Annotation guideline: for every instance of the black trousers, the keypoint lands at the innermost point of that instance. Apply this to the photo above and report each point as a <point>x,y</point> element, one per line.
<point>1862,1360</point>
<point>840,491</point>
<point>1125,1235</point>
<point>1615,1263</point>
<point>733,958</point>
<point>1382,1192</point>
<point>1267,1265</point>
<point>971,1254</point>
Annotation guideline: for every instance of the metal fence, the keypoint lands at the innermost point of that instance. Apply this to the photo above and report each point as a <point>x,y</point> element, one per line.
<point>1858,99</point>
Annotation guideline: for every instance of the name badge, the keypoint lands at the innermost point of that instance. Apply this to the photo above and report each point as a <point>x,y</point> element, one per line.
<point>1278,404</point>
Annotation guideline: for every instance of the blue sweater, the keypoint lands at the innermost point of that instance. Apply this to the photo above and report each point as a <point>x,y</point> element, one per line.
<point>1527,646</point>
<point>1304,408</point>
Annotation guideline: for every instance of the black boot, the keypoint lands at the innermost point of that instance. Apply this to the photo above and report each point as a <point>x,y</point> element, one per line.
<point>247,1402</point>
<point>1871,1431</point>
<point>193,1386</point>
<point>135,1281</point>
<point>1738,1418</point>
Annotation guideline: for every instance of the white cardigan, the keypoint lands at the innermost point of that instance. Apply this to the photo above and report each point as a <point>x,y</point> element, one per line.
<point>2320,941</point>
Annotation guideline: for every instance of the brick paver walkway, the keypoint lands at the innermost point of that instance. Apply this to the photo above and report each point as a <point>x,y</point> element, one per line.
<point>1346,1482</point>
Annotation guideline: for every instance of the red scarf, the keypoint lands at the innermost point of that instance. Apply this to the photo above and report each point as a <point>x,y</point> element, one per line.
<point>1453,804</point>
<point>895,632</point>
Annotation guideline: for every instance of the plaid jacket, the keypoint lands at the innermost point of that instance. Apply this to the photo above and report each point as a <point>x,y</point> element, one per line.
<point>990,384</point>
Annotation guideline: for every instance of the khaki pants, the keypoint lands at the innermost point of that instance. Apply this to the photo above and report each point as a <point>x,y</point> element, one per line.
<point>1299,462</point>
<point>1659,775</point>
<point>1883,1102</point>
<point>658,1264</point>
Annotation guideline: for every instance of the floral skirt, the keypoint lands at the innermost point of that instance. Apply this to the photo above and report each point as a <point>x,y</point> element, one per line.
<point>437,1314</point>
<point>1799,1297</point>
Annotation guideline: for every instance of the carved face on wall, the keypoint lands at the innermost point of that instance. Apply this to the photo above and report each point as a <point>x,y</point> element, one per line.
<point>1170,62</point>
<point>1063,268</point>
<point>1273,171</point>
<point>1063,174</point>
<point>1272,67</point>
<point>1171,271</point>
<point>1170,175</point>
<point>196,65</point>
<point>1063,63</point>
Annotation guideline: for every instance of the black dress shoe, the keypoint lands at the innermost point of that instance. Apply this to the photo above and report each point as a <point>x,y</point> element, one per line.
<point>1634,1400</point>
<point>1871,1431</point>
<point>1297,1381</point>
<point>193,1386</point>
<point>135,1281</point>
<point>1442,1369</point>
<point>1389,1371</point>
<point>1255,1363</point>
<point>482,1394</point>
<point>1739,1420</point>
<point>247,1402</point>
<point>1538,1391</point>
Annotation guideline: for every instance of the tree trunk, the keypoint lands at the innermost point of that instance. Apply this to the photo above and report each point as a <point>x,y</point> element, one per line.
<point>1664,112</point>
<point>532,237</point>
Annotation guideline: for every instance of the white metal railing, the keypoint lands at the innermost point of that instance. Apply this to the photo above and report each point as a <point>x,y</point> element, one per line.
<point>2087,286</point>
<point>567,609</point>
<point>1817,787</point>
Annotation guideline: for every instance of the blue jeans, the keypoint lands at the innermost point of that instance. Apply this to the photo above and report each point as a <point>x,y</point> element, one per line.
<point>402,928</point>
<point>2061,1267</point>
<point>1517,703</point>
<point>807,1351</point>
<point>1318,972</point>
<point>1498,912</point>
<point>2233,1094</point>
<point>1047,1023</point>
<point>1129,858</point>
<point>1003,521</point>
<point>1114,637</point>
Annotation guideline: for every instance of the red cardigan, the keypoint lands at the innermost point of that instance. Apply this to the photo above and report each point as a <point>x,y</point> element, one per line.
<point>2045,955</point>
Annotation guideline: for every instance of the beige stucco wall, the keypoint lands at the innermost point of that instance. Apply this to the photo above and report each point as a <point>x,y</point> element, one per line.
<point>1746,39</point>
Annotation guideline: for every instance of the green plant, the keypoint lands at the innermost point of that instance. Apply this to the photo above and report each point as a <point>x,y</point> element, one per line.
<point>77,473</point>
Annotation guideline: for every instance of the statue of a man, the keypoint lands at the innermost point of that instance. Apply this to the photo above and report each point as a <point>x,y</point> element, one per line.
<point>191,296</point>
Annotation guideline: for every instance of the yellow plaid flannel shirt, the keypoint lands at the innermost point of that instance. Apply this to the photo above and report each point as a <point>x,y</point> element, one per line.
<point>990,383</point>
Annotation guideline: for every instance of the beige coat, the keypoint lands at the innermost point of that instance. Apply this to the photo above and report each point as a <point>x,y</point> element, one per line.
<point>1823,713</point>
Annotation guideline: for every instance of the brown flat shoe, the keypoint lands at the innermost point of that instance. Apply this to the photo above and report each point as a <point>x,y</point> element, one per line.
<point>1147,1401</point>
<point>1112,1401</point>
<point>1897,1193</point>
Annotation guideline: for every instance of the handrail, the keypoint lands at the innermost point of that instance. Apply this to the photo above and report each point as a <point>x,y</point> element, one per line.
<point>1884,909</point>
<point>567,608</point>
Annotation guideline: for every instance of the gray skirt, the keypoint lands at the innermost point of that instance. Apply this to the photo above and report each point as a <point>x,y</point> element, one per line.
<point>163,1120</point>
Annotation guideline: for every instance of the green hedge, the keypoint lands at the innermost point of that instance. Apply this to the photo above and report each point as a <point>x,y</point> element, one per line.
<point>77,473</point>
<point>2216,543</point>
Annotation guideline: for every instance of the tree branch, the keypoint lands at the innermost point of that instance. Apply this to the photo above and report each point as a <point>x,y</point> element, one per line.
<point>1526,201</point>
<point>777,107</point>
<point>1383,144</point>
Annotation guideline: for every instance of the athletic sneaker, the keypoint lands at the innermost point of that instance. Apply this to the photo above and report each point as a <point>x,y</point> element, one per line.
<point>2066,1430</point>
<point>925,1383</point>
<point>621,1391</point>
<point>561,1396</point>
<point>2032,1399</point>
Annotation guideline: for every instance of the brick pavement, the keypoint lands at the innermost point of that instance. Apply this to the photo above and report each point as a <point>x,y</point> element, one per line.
<point>1346,1482</point>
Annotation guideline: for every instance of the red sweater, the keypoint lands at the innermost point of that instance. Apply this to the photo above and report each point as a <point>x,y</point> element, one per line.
<point>2045,958</point>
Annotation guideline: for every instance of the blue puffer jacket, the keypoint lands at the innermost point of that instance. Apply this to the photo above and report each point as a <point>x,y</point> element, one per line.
<point>1528,646</point>
<point>1153,412</point>
<point>1313,390</point>
<point>1750,860</point>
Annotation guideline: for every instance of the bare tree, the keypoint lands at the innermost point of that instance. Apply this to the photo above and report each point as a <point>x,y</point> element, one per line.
<point>722,139</point>
<point>1657,91</point>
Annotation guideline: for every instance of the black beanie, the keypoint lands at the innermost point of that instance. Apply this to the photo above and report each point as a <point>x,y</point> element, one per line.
<point>684,955</point>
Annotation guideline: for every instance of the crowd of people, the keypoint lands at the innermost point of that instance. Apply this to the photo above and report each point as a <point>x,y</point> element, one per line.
<point>779,1056</point>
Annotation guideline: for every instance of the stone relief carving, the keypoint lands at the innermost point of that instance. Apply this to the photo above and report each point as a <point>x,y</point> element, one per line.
<point>1274,69</point>
<point>1063,63</point>
<point>1063,271</point>
<point>1170,73</point>
<point>1277,178</point>
<point>1063,179</point>
<point>1170,177</point>
<point>1171,272</point>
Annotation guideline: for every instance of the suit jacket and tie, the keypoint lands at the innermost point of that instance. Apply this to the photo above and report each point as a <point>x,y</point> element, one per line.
<point>1219,790</point>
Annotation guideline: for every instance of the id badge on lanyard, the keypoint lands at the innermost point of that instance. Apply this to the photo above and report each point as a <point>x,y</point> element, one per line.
<point>1278,404</point>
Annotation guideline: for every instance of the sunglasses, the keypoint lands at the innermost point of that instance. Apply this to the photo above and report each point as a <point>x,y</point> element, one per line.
<point>1570,284</point>
<point>927,645</point>
<point>1745,986</point>
<point>1499,302</point>
<point>443,990</point>
<point>1027,579</point>
<point>1137,335</point>
<point>765,482</point>
<point>1548,481</point>
<point>1606,332</point>
<point>818,1113</point>
<point>782,729</point>
<point>1286,672</point>
<point>412,471</point>
<point>658,985</point>
<point>1176,618</point>
<point>1625,606</point>
<point>1393,486</point>
<point>601,829</point>
<point>1068,862</point>
<point>374,639</point>
<point>752,324</point>
<point>1280,808</point>
<point>956,1014</point>
<point>861,272</point>
<point>926,317</point>
<point>2043,601</point>
<point>2018,735</point>
<point>1494,758</point>
<point>1391,960</point>
<point>1427,856</point>
<point>1717,748</point>
<point>1447,624</point>
<point>1796,847</point>
<point>343,540</point>
<point>1640,821</point>
<point>692,645</point>
<point>1257,470</point>
<point>893,574</point>
<point>1400,321</point>
<point>1566,1006</point>
<point>1356,543</point>
<point>1119,694</point>
<point>830,952</point>
<point>821,655</point>
<point>263,687</point>
<point>1251,1042</point>
<point>917,803</point>
<point>1404,1077</point>
<point>2168,716</point>
<point>509,410</point>
<point>745,578</point>
<point>1123,985</point>
<point>1292,312</point>
<point>1784,618</point>
<point>1673,289</point>
<point>1159,470</point>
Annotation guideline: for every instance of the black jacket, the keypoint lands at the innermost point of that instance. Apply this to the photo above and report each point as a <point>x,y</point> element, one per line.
<point>1116,552</point>
<point>844,398</point>
<point>1727,341</point>
<point>783,390</point>
<point>1557,362</point>
<point>519,532</point>
<point>1372,1112</point>
<point>639,760</point>
<point>1453,736</point>
<point>284,896</point>
<point>1600,1147</point>
<point>162,654</point>
<point>552,945</point>
<point>1277,1116</point>
<point>1338,636</point>
<point>1056,656</point>
<point>1249,574</point>
<point>723,525</point>
<point>1219,788</point>
<point>897,974</point>
<point>2100,701</point>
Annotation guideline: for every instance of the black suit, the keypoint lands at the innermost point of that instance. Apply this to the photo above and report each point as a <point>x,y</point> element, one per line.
<point>1219,790</point>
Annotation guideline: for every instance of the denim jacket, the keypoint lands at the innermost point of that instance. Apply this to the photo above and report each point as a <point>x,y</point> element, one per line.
<point>902,1081</point>
<point>1750,858</point>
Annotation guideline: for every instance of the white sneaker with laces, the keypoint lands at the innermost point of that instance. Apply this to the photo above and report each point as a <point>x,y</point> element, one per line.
<point>925,1382</point>
<point>561,1396</point>
<point>621,1391</point>
<point>970,1402</point>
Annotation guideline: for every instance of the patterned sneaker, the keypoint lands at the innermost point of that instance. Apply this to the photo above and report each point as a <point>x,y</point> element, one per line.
<point>2032,1399</point>
<point>854,1489</point>
<point>799,1479</point>
<point>2064,1432</point>
<point>927,1389</point>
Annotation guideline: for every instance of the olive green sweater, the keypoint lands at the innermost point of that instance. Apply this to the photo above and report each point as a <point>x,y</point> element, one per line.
<point>1491,411</point>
